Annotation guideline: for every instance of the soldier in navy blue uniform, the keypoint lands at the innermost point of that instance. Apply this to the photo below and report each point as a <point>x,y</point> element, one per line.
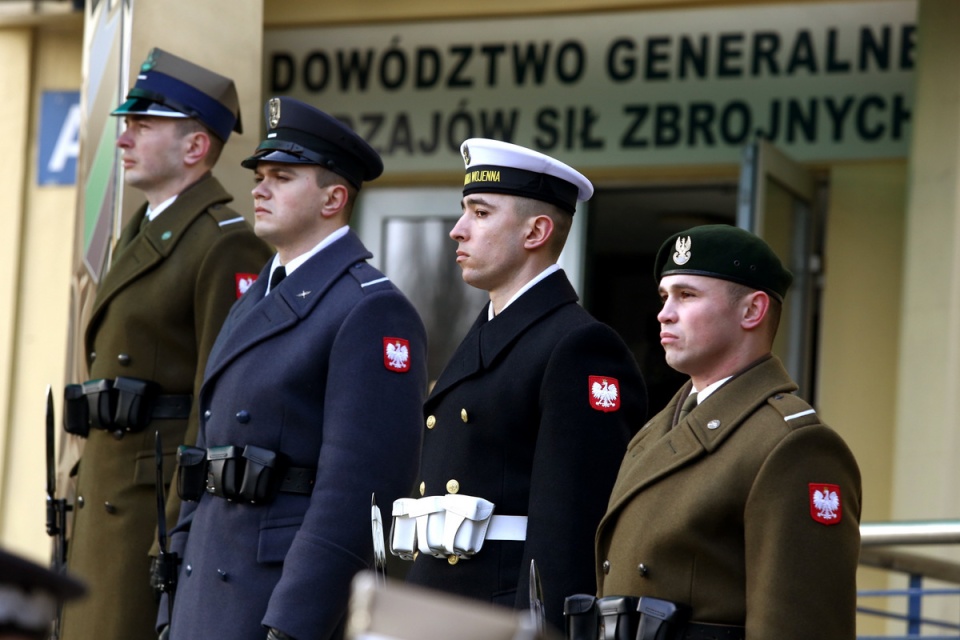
<point>535,408</point>
<point>310,404</point>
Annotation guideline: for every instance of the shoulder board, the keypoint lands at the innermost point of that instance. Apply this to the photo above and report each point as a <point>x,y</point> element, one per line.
<point>369,278</point>
<point>225,216</point>
<point>796,411</point>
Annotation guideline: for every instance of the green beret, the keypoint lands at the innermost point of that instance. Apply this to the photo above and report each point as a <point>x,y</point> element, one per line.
<point>725,252</point>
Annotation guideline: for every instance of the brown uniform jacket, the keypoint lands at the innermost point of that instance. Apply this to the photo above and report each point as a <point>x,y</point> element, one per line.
<point>156,315</point>
<point>719,512</point>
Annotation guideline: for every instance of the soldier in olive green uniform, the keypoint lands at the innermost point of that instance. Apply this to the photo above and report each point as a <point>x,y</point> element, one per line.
<point>178,267</point>
<point>739,502</point>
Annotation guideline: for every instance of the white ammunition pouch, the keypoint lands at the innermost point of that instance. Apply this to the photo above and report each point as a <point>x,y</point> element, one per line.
<point>450,525</point>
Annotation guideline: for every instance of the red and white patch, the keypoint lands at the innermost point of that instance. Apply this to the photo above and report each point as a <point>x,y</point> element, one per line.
<point>396,354</point>
<point>604,393</point>
<point>244,281</point>
<point>825,504</point>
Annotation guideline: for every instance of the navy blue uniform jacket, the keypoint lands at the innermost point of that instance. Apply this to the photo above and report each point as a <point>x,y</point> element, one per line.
<point>302,371</point>
<point>515,422</point>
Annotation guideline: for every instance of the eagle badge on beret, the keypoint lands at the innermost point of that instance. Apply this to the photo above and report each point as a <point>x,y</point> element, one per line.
<point>274,107</point>
<point>682,255</point>
<point>604,393</point>
<point>396,354</point>
<point>825,505</point>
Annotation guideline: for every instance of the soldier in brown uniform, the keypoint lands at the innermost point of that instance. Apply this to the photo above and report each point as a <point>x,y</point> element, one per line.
<point>179,265</point>
<point>746,509</point>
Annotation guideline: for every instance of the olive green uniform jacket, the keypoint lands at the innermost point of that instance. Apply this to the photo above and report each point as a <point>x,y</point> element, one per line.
<point>156,315</point>
<point>720,512</point>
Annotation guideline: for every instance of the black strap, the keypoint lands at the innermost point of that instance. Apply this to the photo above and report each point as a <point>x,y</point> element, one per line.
<point>700,631</point>
<point>299,480</point>
<point>172,407</point>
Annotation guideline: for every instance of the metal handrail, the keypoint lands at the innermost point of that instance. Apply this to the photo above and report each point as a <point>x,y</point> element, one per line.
<point>875,536</point>
<point>918,532</point>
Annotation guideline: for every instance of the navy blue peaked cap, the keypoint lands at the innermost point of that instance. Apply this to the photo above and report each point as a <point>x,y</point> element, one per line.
<point>298,133</point>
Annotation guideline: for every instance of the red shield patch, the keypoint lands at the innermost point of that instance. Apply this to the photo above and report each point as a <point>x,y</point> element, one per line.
<point>244,280</point>
<point>603,392</point>
<point>825,504</point>
<point>396,354</point>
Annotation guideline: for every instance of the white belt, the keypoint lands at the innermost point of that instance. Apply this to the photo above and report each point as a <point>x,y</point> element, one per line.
<point>449,525</point>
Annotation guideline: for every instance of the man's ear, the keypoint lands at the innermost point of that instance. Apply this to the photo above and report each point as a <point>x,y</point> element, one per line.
<point>335,199</point>
<point>755,306</point>
<point>539,230</point>
<point>198,144</point>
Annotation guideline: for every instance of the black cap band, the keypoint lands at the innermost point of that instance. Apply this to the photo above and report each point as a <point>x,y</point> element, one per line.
<point>523,183</point>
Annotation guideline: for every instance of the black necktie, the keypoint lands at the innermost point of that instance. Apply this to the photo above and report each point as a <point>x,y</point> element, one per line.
<point>688,405</point>
<point>277,277</point>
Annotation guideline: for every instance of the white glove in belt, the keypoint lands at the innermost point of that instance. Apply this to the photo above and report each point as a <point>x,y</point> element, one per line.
<point>450,525</point>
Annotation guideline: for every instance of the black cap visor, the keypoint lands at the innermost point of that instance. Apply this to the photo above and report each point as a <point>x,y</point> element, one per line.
<point>274,150</point>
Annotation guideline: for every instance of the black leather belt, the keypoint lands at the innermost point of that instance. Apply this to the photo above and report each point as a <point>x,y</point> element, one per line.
<point>298,480</point>
<point>700,631</point>
<point>171,407</point>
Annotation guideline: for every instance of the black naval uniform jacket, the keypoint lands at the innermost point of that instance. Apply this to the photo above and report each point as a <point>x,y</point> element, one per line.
<point>721,512</point>
<point>156,316</point>
<point>512,419</point>
<point>302,372</point>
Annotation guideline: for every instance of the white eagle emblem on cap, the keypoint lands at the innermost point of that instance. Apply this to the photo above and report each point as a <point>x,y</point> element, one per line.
<point>274,107</point>
<point>682,255</point>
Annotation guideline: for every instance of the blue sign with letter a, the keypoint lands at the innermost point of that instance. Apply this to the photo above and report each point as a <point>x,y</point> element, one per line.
<point>59,137</point>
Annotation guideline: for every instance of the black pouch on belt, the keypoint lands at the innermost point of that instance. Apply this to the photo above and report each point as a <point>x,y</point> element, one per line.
<point>135,400</point>
<point>191,472</point>
<point>580,617</point>
<point>76,411</point>
<point>223,472</point>
<point>659,619</point>
<point>259,476</point>
<point>618,617</point>
<point>100,403</point>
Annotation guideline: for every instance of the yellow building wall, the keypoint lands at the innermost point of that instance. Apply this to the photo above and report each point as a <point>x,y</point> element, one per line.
<point>859,332</point>
<point>37,246</point>
<point>15,46</point>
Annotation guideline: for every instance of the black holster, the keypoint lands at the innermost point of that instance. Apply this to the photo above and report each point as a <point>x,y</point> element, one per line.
<point>163,573</point>
<point>223,472</point>
<point>134,403</point>
<point>580,617</point>
<point>259,474</point>
<point>660,619</point>
<point>623,618</point>
<point>101,403</point>
<point>618,618</point>
<point>191,472</point>
<point>76,411</point>
<point>254,476</point>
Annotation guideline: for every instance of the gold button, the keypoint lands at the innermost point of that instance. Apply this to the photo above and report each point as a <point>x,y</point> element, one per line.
<point>453,486</point>
<point>453,559</point>
<point>431,422</point>
<point>423,487</point>
<point>606,567</point>
<point>463,414</point>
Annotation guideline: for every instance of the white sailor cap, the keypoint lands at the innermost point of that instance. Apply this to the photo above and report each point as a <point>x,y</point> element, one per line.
<point>500,167</point>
